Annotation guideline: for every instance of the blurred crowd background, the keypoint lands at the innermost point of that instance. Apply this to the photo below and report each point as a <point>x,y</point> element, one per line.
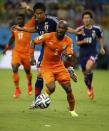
<point>69,10</point>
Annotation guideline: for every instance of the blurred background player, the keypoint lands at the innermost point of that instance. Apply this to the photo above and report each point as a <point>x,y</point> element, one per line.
<point>87,40</point>
<point>20,53</point>
<point>52,67</point>
<point>43,24</point>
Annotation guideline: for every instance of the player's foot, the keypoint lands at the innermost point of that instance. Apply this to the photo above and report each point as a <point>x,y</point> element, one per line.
<point>17,92</point>
<point>73,114</point>
<point>33,105</point>
<point>72,74</point>
<point>29,89</point>
<point>90,93</point>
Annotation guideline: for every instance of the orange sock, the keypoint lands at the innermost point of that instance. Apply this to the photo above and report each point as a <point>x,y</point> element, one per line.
<point>29,77</point>
<point>71,101</point>
<point>16,79</point>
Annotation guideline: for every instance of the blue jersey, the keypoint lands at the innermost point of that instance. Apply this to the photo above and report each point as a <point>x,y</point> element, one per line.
<point>91,35</point>
<point>89,51</point>
<point>46,26</point>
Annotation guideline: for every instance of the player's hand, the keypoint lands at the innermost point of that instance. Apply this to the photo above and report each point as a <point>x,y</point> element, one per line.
<point>24,5</point>
<point>13,27</point>
<point>32,61</point>
<point>102,51</point>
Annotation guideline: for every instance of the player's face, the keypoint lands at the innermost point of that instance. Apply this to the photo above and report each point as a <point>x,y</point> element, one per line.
<point>40,14</point>
<point>61,30</point>
<point>86,20</point>
<point>20,20</point>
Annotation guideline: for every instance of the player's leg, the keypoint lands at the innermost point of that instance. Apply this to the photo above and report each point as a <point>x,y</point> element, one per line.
<point>16,79</point>
<point>16,60</point>
<point>64,79</point>
<point>29,78</point>
<point>39,80</point>
<point>70,98</point>
<point>89,77</point>
<point>38,84</point>
<point>27,68</point>
<point>48,77</point>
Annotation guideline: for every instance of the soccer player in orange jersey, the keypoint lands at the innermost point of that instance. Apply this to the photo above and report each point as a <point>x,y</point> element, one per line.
<point>20,53</point>
<point>52,67</point>
<point>44,24</point>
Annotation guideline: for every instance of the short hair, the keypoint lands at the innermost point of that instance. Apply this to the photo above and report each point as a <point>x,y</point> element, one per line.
<point>88,12</point>
<point>39,6</point>
<point>65,23</point>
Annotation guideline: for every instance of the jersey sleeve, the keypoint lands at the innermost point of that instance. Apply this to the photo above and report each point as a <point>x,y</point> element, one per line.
<point>99,32</point>
<point>12,35</point>
<point>41,38</point>
<point>69,49</point>
<point>31,22</point>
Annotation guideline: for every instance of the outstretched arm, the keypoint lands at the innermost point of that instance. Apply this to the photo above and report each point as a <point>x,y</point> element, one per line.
<point>37,40</point>
<point>26,7</point>
<point>11,41</point>
<point>30,30</point>
<point>101,42</point>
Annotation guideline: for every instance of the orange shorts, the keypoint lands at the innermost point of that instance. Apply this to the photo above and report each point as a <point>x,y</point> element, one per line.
<point>59,74</point>
<point>20,58</point>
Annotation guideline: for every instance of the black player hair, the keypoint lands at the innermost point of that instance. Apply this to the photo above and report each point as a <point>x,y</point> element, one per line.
<point>64,23</point>
<point>88,12</point>
<point>39,6</point>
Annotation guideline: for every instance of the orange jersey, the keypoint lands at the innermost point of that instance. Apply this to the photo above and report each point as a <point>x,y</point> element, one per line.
<point>22,39</point>
<point>53,49</point>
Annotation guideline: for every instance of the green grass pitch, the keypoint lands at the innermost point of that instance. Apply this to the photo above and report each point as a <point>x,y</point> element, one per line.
<point>93,115</point>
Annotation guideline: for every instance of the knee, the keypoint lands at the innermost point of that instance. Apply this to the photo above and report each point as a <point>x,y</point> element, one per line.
<point>15,68</point>
<point>51,88</point>
<point>67,87</point>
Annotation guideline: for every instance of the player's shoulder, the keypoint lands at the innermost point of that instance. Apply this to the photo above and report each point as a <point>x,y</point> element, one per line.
<point>97,27</point>
<point>52,18</point>
<point>49,35</point>
<point>67,38</point>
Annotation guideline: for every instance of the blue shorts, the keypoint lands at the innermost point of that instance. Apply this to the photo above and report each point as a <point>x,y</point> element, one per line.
<point>83,60</point>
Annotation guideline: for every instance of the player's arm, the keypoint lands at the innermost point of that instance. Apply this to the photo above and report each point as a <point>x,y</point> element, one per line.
<point>69,51</point>
<point>10,42</point>
<point>101,41</point>
<point>29,26</point>
<point>25,6</point>
<point>72,30</point>
<point>37,40</point>
<point>30,30</point>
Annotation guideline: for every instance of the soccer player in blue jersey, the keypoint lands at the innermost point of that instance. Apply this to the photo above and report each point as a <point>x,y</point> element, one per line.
<point>43,24</point>
<point>87,39</point>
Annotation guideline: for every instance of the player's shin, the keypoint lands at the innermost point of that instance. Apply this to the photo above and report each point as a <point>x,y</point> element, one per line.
<point>38,86</point>
<point>29,77</point>
<point>16,82</point>
<point>88,80</point>
<point>71,100</point>
<point>16,79</point>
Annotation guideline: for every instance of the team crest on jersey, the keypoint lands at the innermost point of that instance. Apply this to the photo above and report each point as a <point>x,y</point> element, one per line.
<point>64,46</point>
